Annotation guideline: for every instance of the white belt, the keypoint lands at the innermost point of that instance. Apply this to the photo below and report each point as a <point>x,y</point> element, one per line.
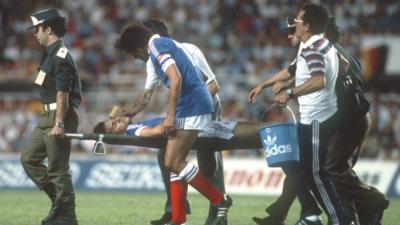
<point>49,107</point>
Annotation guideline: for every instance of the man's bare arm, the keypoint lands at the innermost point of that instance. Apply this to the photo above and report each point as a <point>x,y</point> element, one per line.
<point>141,102</point>
<point>284,84</point>
<point>62,108</point>
<point>280,76</point>
<point>315,83</point>
<point>156,131</point>
<point>175,85</point>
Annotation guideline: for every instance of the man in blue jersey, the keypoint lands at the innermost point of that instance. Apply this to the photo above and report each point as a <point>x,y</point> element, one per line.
<point>210,163</point>
<point>189,110</point>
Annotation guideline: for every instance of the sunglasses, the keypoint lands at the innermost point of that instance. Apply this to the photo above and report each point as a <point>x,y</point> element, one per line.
<point>298,20</point>
<point>290,21</point>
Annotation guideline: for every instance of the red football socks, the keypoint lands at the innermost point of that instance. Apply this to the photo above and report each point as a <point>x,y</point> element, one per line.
<point>178,199</point>
<point>197,180</point>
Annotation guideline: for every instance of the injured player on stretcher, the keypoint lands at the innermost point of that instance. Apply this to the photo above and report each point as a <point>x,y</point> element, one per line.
<point>152,128</point>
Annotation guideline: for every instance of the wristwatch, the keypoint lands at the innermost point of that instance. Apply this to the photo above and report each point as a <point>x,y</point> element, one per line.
<point>290,93</point>
<point>60,125</point>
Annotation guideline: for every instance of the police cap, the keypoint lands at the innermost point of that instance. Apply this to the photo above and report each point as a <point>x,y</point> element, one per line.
<point>290,22</point>
<point>43,16</point>
<point>290,25</point>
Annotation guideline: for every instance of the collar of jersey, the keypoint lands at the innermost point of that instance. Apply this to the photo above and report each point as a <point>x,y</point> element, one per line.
<point>311,40</point>
<point>153,37</point>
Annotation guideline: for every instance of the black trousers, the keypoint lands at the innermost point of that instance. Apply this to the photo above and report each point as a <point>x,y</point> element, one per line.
<point>342,155</point>
<point>300,188</point>
<point>313,142</point>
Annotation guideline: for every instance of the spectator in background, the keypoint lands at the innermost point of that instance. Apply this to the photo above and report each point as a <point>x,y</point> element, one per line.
<point>211,25</point>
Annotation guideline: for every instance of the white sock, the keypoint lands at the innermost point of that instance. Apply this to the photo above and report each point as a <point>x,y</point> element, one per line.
<point>189,172</point>
<point>313,218</point>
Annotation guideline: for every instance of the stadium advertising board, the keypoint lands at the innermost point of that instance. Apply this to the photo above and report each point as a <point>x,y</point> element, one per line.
<point>136,175</point>
<point>394,189</point>
<point>377,173</point>
<point>242,176</point>
<point>252,177</point>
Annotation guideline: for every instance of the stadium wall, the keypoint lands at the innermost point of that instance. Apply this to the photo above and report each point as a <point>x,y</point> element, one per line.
<point>242,176</point>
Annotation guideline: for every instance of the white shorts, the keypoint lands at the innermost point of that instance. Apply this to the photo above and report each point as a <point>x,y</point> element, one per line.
<point>199,122</point>
<point>219,129</point>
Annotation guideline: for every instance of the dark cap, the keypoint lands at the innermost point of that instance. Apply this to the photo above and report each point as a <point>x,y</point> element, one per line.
<point>290,25</point>
<point>290,22</point>
<point>43,16</point>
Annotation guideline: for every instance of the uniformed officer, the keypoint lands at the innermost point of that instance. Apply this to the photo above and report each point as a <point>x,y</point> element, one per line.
<point>60,95</point>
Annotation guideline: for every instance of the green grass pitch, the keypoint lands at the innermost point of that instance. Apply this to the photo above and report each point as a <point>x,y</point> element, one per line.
<point>124,208</point>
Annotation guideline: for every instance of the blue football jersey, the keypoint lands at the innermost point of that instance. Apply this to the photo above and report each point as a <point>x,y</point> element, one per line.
<point>218,129</point>
<point>195,98</point>
<point>133,128</point>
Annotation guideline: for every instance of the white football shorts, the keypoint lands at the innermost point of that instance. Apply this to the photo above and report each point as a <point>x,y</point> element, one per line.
<point>199,122</point>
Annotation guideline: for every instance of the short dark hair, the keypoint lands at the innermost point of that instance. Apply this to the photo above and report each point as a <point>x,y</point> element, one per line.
<point>133,38</point>
<point>316,16</point>
<point>100,128</point>
<point>58,25</point>
<point>157,26</point>
<point>332,31</point>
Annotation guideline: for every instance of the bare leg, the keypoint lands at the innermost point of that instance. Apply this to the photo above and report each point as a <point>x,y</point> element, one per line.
<point>248,129</point>
<point>178,148</point>
<point>183,173</point>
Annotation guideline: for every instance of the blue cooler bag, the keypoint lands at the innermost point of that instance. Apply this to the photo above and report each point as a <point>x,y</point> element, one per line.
<point>280,142</point>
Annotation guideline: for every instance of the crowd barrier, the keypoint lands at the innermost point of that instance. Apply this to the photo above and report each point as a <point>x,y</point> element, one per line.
<point>242,176</point>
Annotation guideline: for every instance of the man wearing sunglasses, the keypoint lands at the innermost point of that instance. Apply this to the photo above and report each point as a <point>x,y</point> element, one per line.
<point>310,213</point>
<point>368,202</point>
<point>316,74</point>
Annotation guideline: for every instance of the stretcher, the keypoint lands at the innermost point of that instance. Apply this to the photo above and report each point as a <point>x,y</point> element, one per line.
<point>201,143</point>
